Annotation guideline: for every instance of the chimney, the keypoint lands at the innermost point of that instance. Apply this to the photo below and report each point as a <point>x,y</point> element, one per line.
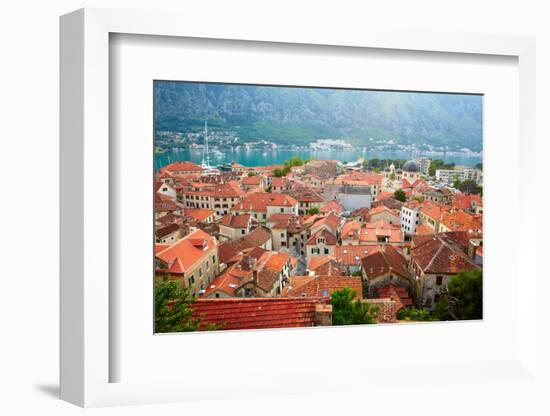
<point>323,314</point>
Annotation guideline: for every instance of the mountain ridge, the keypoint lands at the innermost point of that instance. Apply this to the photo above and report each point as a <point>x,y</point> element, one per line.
<point>298,115</point>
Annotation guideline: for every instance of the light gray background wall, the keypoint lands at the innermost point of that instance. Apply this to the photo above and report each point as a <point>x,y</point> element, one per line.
<point>29,204</point>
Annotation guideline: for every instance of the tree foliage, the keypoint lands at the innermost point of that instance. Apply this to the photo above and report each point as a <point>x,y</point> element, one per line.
<point>418,315</point>
<point>347,310</point>
<point>313,211</point>
<point>438,164</point>
<point>173,310</point>
<point>399,194</point>
<point>468,187</point>
<point>462,298</point>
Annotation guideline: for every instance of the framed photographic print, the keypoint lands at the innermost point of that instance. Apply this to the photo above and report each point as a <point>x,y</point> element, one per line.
<point>276,197</point>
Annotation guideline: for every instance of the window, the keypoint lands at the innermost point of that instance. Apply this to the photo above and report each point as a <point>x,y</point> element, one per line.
<point>326,250</point>
<point>243,231</point>
<point>436,297</point>
<point>282,235</point>
<point>439,280</point>
<point>191,280</point>
<point>282,210</point>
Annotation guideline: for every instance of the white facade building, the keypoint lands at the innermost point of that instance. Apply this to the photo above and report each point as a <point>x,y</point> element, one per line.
<point>451,175</point>
<point>409,218</point>
<point>424,164</point>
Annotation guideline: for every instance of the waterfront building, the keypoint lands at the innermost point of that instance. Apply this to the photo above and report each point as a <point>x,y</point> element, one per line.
<point>424,164</point>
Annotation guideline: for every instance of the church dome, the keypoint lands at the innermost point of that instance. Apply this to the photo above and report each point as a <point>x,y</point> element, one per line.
<point>411,166</point>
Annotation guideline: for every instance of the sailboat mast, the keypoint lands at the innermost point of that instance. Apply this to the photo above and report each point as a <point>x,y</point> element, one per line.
<point>206,142</point>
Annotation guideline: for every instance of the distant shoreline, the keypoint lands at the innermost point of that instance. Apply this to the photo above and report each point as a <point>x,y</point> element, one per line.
<point>252,158</point>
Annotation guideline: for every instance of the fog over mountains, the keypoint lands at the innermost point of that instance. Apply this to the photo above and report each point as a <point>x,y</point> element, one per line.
<point>300,115</point>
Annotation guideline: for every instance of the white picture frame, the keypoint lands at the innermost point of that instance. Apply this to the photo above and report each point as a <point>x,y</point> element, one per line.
<point>85,353</point>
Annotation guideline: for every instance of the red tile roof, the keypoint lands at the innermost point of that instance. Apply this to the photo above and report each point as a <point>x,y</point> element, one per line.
<point>185,253</point>
<point>256,238</point>
<point>383,209</point>
<point>182,167</point>
<point>331,220</point>
<point>167,230</point>
<point>358,178</point>
<point>236,221</point>
<point>169,219</point>
<point>321,286</point>
<point>433,210</point>
<point>332,206</point>
<point>384,195</point>
<point>223,190</point>
<point>400,295</point>
<point>351,255</point>
<point>257,313</point>
<point>383,262</point>
<point>462,221</point>
<point>226,283</point>
<point>372,231</point>
<point>423,229</point>
<point>438,254</point>
<point>198,214</point>
<point>305,195</point>
<point>259,201</point>
<point>330,239</point>
<point>252,180</point>
<point>325,265</point>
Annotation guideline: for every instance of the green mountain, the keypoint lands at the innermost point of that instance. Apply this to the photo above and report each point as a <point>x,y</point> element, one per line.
<point>300,115</point>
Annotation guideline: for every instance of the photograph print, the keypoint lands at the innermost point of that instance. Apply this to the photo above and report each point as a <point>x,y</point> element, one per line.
<point>295,207</point>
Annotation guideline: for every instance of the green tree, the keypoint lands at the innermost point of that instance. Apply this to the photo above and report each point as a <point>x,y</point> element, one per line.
<point>419,315</point>
<point>375,163</point>
<point>469,187</point>
<point>399,194</point>
<point>296,161</point>
<point>347,310</point>
<point>173,310</point>
<point>462,298</point>
<point>439,164</point>
<point>251,174</point>
<point>278,173</point>
<point>313,211</point>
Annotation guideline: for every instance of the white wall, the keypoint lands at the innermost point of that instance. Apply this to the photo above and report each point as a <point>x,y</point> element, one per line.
<point>29,106</point>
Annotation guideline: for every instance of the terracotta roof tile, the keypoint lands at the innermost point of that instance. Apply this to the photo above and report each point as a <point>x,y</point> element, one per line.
<point>385,261</point>
<point>186,252</point>
<point>330,239</point>
<point>257,313</point>
<point>164,231</point>
<point>236,221</point>
<point>438,254</point>
<point>182,167</point>
<point>322,286</point>
<point>259,201</point>
<point>257,237</point>
<point>198,214</point>
<point>351,255</point>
